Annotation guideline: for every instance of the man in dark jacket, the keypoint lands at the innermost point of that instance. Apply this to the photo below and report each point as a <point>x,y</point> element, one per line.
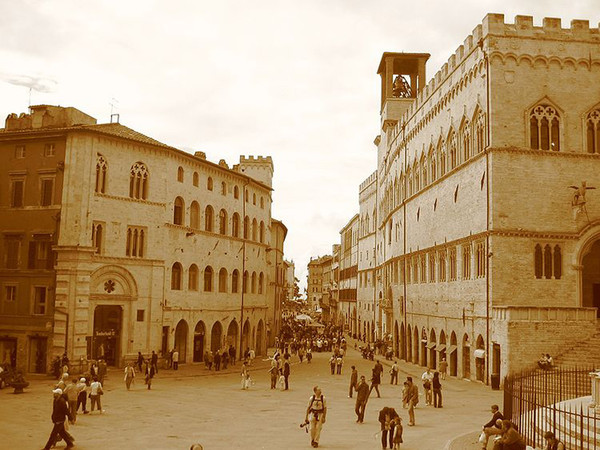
<point>286,371</point>
<point>60,411</point>
<point>494,426</point>
<point>362,395</point>
<point>353,381</point>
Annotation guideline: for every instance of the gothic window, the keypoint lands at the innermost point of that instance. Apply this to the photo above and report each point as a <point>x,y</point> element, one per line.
<point>442,156</point>
<point>409,179</point>
<point>261,232</point>
<point>592,126</point>
<point>97,236</point>
<point>548,261</point>
<point>101,172</point>
<point>417,178</point>
<point>453,151</point>
<point>432,165</point>
<point>544,127</point>
<point>208,218</point>
<point>261,282</point>
<point>223,222</point>
<point>136,241</point>
<point>223,188</point>
<point>193,278</point>
<point>138,181</point>
<point>465,140</point>
<point>176,272</point>
<point>245,283</point>
<point>209,184</point>
<point>538,261</point>
<point>442,265</point>
<point>195,179</point>
<point>223,280</point>
<point>236,192</point>
<point>178,211</point>
<point>208,279</point>
<point>422,269</point>
<point>195,215</point>
<point>262,202</point>
<point>180,174</point>
<point>466,262</point>
<point>254,229</point>
<point>557,262</point>
<point>254,199</point>
<point>480,261</point>
<point>432,267</point>
<point>246,227</point>
<point>424,179</point>
<point>452,263</point>
<point>235,281</point>
<point>235,225</point>
<point>480,131</point>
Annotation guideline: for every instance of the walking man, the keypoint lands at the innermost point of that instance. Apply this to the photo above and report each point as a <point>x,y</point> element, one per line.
<point>427,378</point>
<point>317,409</point>
<point>60,411</point>
<point>362,395</point>
<point>353,381</point>
<point>154,361</point>
<point>412,399</point>
<point>375,381</point>
<point>129,375</point>
<point>394,373</point>
<point>286,370</point>
<point>175,359</point>
<point>443,368</point>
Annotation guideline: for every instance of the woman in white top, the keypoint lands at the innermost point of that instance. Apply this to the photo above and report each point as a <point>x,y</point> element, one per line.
<point>95,393</point>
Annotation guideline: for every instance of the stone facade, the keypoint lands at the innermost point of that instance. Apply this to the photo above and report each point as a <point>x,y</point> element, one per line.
<point>348,284</point>
<point>155,248</point>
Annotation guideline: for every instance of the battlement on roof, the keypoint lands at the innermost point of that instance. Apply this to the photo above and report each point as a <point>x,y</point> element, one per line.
<point>368,181</point>
<point>47,116</point>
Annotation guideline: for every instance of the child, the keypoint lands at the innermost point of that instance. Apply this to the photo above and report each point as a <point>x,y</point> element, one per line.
<point>245,376</point>
<point>396,423</point>
<point>281,381</point>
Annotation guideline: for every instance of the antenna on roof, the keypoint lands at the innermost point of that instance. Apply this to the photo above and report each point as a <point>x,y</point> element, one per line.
<point>114,117</point>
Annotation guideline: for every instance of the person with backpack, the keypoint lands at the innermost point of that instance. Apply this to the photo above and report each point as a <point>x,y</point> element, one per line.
<point>317,410</point>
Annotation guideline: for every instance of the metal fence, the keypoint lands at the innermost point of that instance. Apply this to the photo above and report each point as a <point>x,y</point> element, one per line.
<point>545,400</point>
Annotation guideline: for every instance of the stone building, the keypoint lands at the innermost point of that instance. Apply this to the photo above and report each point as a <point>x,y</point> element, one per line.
<point>348,276</point>
<point>115,243</point>
<point>276,289</point>
<point>314,285</point>
<point>487,235</point>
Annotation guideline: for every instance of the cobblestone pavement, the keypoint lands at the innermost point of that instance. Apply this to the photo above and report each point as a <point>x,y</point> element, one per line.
<point>195,405</point>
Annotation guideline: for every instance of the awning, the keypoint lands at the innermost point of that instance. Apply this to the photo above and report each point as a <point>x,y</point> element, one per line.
<point>424,341</point>
<point>431,345</point>
<point>479,353</point>
<point>303,317</point>
<point>441,347</point>
<point>451,348</point>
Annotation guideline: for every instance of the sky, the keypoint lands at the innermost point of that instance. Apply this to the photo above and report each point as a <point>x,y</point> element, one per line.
<point>295,80</point>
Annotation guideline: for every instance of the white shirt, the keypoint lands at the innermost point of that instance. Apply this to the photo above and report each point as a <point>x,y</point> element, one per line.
<point>94,386</point>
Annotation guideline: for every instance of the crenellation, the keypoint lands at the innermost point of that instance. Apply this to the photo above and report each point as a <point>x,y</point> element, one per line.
<point>524,22</point>
<point>580,26</point>
<point>551,24</point>
<point>452,60</point>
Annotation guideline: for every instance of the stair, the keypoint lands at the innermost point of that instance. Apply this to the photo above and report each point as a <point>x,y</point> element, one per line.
<point>584,353</point>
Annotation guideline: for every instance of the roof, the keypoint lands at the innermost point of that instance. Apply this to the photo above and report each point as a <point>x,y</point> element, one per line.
<point>403,61</point>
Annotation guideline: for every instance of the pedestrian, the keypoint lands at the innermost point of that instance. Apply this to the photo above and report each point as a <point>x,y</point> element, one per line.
<point>149,375</point>
<point>154,360</point>
<point>245,376</point>
<point>62,383</point>
<point>394,373</point>
<point>404,394</point>
<point>511,439</point>
<point>362,396</point>
<point>286,371</point>
<point>60,411</point>
<point>493,427</point>
<point>95,393</point>
<point>281,380</point>
<point>217,361</point>
<point>317,410</point>
<point>232,355</point>
<point>175,359</point>
<point>301,353</point>
<point>308,355</point>
<point>443,368</point>
<point>170,361</point>
<point>427,377</point>
<point>437,390</point>
<point>140,361</point>
<point>375,381</point>
<point>83,387</point>
<point>552,442</point>
<point>412,399</point>
<point>251,356</point>
<point>386,417</point>
<point>396,434</point>
<point>339,362</point>
<point>209,359</point>
<point>129,375</point>
<point>72,393</point>
<point>332,364</point>
<point>353,381</point>
<point>102,369</point>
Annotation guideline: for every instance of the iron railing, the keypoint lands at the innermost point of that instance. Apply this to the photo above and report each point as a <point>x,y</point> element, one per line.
<point>551,400</point>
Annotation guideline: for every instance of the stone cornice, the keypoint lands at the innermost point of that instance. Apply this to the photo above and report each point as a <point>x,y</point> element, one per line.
<point>129,199</point>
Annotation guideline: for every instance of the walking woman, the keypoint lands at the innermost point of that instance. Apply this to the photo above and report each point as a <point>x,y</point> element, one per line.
<point>95,393</point>
<point>437,390</point>
<point>129,375</point>
<point>375,381</point>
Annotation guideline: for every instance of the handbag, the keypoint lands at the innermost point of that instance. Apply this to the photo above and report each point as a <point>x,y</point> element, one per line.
<point>482,437</point>
<point>100,391</point>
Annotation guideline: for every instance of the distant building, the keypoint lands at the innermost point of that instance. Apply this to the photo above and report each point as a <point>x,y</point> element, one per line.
<point>348,276</point>
<point>277,287</point>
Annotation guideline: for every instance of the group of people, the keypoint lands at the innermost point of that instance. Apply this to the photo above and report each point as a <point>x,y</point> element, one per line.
<point>545,362</point>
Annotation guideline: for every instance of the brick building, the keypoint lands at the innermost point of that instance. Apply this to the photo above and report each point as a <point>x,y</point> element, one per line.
<point>115,243</point>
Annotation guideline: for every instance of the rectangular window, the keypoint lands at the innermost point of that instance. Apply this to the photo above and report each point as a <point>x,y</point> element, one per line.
<point>46,191</point>
<point>140,315</point>
<point>20,152</point>
<point>49,150</point>
<point>17,188</point>
<point>39,300</point>
<point>12,248</point>
<point>10,293</point>
<point>136,241</point>
<point>40,252</point>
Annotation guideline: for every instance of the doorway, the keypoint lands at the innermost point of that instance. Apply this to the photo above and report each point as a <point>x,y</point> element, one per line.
<point>38,347</point>
<point>596,298</point>
<point>107,333</point>
<point>181,334</point>
<point>199,332</point>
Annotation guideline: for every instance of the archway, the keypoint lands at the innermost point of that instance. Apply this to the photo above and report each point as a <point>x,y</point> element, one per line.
<point>453,352</point>
<point>372,331</point>
<point>106,340</point>
<point>199,333</point>
<point>260,338</point>
<point>466,345</point>
<point>245,337</point>
<point>402,342</point>
<point>232,336</point>
<point>441,347</point>
<point>396,340</point>
<point>409,344</point>
<point>368,332</point>
<point>181,334</point>
<point>479,359</point>
<point>423,347</point>
<point>416,342</point>
<point>431,345</point>
<point>590,277</point>
<point>216,335</point>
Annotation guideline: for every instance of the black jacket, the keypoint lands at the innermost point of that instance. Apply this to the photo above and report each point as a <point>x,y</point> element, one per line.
<point>60,410</point>
<point>492,423</point>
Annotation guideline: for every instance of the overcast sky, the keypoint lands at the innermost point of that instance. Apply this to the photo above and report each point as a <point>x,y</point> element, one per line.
<point>292,79</point>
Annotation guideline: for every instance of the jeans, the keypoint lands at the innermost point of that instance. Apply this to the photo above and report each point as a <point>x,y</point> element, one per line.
<point>411,412</point>
<point>360,409</point>
<point>437,398</point>
<point>315,428</point>
<point>96,401</point>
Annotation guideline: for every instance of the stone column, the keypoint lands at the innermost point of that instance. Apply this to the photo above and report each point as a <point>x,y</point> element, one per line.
<point>595,379</point>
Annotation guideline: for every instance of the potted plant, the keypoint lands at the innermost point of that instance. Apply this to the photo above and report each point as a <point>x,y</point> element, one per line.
<point>18,382</point>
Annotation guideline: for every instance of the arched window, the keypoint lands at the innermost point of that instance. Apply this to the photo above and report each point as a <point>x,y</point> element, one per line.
<point>195,179</point>
<point>223,188</point>
<point>195,215</point>
<point>253,289</point>
<point>479,130</point>
<point>180,174</point>
<point>235,281</point>
<point>101,172</point>
<point>208,277</point>
<point>409,182</point>
<point>138,181</point>
<point>236,192</point>
<point>97,237</point>
<point>246,227</point>
<point>417,178</point>
<point>261,280</point>
<point>246,196</point>
<point>538,261</point>
<point>432,165</point>
<point>557,262</point>
<point>547,261</point>
<point>254,229</point>
<point>245,283</point>
<point>592,125</point>
<point>261,232</point>
<point>178,211</point>
<point>223,280</point>
<point>235,225</point>
<point>223,222</point>
<point>465,140</point>
<point>193,278</point>
<point>453,152</point>
<point>262,202</point>
<point>254,199</point>
<point>424,179</point>
<point>208,218</point>
<point>209,184</point>
<point>544,128</point>
<point>176,272</point>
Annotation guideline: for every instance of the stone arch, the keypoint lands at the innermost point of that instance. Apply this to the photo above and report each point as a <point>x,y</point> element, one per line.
<point>587,260</point>
<point>480,357</point>
<point>232,335</point>
<point>396,340</point>
<point>431,345</point>
<point>441,347</point>
<point>260,338</point>
<point>245,336</point>
<point>199,341</point>
<point>416,341</point>
<point>181,336</point>
<point>123,283</point>
<point>466,356</point>
<point>453,352</point>
<point>216,336</point>
<point>423,345</point>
